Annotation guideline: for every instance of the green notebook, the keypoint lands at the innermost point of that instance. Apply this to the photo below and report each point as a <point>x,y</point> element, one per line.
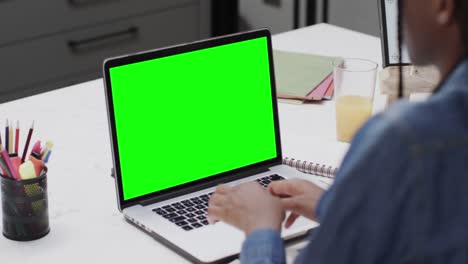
<point>298,74</point>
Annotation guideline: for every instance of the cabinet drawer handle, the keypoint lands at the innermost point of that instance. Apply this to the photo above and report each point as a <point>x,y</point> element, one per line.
<point>105,39</point>
<point>85,3</point>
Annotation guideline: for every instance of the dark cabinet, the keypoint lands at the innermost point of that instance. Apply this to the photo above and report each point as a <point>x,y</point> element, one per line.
<point>50,44</point>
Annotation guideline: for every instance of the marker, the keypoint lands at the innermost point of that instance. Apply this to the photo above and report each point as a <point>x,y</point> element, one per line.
<point>36,150</point>
<point>48,148</point>
<point>37,163</point>
<point>46,160</point>
<point>28,140</point>
<point>17,137</point>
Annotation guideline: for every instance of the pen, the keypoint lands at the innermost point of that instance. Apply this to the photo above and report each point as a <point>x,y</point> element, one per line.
<point>17,137</point>
<point>7,129</point>
<point>26,146</point>
<point>11,136</point>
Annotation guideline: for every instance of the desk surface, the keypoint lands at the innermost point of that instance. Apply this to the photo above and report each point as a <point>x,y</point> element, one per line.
<point>85,223</point>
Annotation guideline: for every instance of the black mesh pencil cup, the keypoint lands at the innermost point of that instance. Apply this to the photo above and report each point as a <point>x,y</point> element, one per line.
<point>25,208</point>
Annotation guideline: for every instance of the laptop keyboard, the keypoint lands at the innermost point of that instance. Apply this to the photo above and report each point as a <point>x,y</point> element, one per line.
<point>192,213</point>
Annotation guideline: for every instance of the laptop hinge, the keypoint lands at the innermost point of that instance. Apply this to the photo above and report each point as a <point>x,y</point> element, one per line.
<point>202,186</point>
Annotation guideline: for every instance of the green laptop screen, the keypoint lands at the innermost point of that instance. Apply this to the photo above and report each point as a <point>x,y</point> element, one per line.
<point>193,115</point>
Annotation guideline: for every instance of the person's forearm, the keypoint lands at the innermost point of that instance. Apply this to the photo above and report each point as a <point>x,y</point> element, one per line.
<point>263,246</point>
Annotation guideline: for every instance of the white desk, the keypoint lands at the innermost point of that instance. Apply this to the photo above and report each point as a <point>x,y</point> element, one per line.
<point>85,223</point>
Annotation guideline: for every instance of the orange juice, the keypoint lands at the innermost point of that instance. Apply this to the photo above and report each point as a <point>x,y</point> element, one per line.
<point>351,113</point>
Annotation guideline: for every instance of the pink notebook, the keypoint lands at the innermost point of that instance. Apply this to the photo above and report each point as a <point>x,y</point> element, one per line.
<point>319,92</point>
<point>329,94</point>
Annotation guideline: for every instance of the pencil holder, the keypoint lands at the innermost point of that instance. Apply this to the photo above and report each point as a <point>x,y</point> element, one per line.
<point>25,208</point>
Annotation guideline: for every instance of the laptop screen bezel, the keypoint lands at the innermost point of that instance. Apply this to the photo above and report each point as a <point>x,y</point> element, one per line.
<point>174,50</point>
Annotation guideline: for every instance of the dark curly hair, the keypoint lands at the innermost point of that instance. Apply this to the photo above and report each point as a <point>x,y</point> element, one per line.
<point>461,15</point>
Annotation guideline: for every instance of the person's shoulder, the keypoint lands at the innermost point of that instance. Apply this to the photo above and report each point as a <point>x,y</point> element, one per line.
<point>436,120</point>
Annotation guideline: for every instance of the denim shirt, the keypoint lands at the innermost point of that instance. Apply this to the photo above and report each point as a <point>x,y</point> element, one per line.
<point>401,194</point>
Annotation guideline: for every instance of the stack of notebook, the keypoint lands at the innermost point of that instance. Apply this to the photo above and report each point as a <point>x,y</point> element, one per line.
<point>303,77</point>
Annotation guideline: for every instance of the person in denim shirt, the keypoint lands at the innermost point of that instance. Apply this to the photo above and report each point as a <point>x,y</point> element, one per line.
<point>401,194</point>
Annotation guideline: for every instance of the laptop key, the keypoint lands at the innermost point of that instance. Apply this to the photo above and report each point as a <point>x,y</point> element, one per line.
<point>200,206</point>
<point>187,228</point>
<point>194,199</point>
<point>192,220</point>
<point>170,210</point>
<point>166,207</point>
<point>189,204</point>
<point>205,222</point>
<point>181,223</point>
<point>198,202</point>
<point>199,212</point>
<point>179,207</point>
<point>171,215</point>
<point>177,219</point>
<point>190,209</point>
<point>276,177</point>
<point>196,225</point>
<point>201,217</point>
<point>190,215</point>
<point>204,196</point>
<point>161,212</point>
<point>181,212</point>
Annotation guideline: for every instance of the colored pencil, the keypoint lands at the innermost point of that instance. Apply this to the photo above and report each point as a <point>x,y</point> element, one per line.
<point>28,140</point>
<point>11,135</point>
<point>7,130</point>
<point>17,137</point>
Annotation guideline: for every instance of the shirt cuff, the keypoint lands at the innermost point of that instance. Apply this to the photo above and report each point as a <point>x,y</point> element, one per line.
<point>263,246</point>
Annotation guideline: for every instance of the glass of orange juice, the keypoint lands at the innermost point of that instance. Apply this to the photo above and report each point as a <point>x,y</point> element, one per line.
<point>354,85</point>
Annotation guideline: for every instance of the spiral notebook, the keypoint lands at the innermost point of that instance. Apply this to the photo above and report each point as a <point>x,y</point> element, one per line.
<point>308,167</point>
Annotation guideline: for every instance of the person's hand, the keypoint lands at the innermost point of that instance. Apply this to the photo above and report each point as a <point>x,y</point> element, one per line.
<point>298,196</point>
<point>247,207</point>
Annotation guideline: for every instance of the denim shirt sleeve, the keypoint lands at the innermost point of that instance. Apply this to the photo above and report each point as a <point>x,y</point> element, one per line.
<point>376,149</point>
<point>364,214</point>
<point>263,246</point>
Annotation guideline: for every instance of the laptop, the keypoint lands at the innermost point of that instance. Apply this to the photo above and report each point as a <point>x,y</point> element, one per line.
<point>185,119</point>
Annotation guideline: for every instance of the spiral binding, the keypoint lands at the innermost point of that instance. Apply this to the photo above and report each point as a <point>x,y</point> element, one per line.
<point>311,168</point>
